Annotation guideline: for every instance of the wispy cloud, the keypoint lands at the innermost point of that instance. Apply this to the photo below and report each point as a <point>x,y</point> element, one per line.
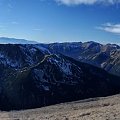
<point>14,23</point>
<point>37,29</point>
<point>10,6</point>
<point>87,2</point>
<point>109,27</point>
<point>2,28</point>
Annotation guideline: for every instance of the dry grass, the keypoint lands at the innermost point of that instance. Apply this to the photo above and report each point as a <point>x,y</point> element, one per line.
<point>91,109</point>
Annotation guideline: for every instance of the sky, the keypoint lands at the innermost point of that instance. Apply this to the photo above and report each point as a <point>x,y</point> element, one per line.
<point>49,21</point>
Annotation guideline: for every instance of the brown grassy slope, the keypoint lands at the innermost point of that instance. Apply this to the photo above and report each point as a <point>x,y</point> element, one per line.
<point>91,109</point>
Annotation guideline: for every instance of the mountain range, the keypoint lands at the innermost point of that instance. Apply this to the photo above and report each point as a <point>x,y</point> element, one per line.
<point>106,56</point>
<point>34,75</point>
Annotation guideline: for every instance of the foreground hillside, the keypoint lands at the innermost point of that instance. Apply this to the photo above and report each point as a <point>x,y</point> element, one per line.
<point>91,109</point>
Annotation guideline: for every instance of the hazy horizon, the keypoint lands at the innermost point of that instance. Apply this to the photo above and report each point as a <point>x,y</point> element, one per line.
<point>38,42</point>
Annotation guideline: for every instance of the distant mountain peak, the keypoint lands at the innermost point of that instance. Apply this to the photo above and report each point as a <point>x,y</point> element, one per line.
<point>6,40</point>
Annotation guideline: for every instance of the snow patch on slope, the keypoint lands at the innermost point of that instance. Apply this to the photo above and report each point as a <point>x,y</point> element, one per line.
<point>64,65</point>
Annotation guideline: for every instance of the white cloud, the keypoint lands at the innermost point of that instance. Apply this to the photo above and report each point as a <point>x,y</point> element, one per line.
<point>89,2</point>
<point>109,27</point>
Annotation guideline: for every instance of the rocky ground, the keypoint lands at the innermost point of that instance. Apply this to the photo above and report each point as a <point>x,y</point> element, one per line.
<point>107,108</point>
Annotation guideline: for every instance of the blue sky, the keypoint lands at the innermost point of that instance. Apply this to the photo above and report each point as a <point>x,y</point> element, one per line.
<point>61,20</point>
